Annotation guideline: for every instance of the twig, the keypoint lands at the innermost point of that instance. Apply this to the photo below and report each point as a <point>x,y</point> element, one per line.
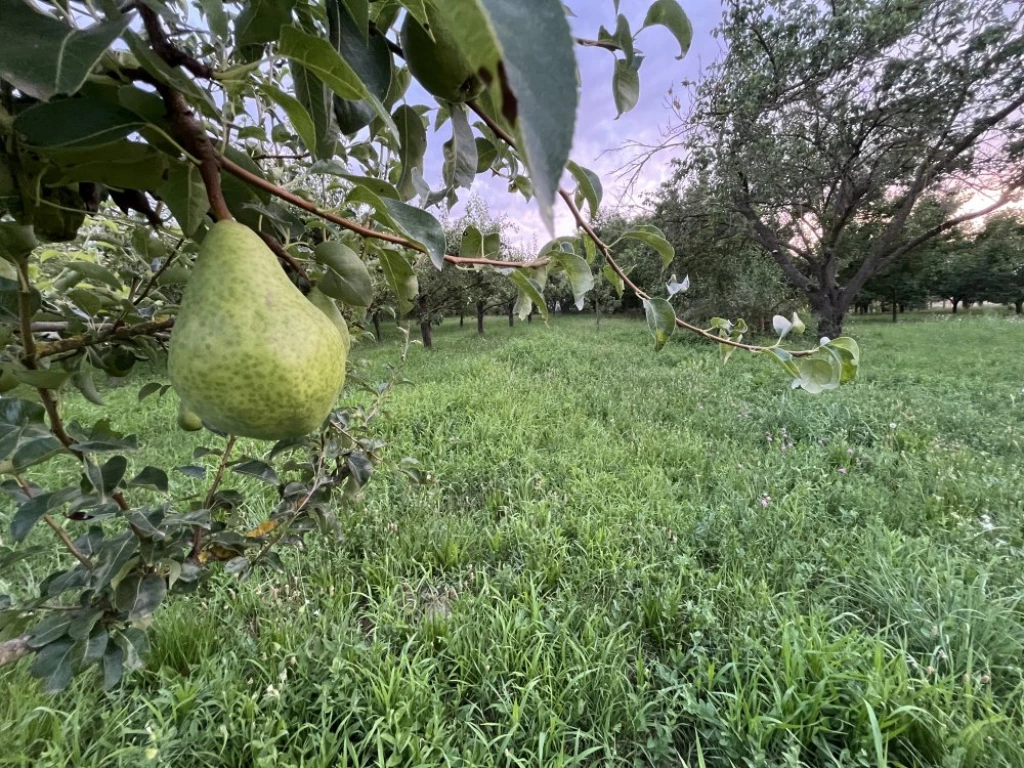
<point>156,276</point>
<point>58,529</point>
<point>299,202</point>
<point>608,45</point>
<point>166,50</point>
<point>281,252</point>
<point>72,343</point>
<point>197,532</point>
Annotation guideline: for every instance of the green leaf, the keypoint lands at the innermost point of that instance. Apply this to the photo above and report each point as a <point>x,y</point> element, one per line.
<point>819,372</point>
<point>43,57</point>
<point>79,122</point>
<point>530,294</point>
<point>150,478</point>
<point>348,280</point>
<point>849,355</point>
<point>370,59</point>
<point>9,291</point>
<point>661,320</point>
<point>460,156</point>
<point>588,186</point>
<point>50,629</point>
<point>317,55</point>
<point>486,153</point>
<point>89,650</point>
<point>379,187</point>
<point>85,384</point>
<point>669,14</point>
<point>28,515</point>
<point>53,665</point>
<point>139,594</point>
<point>113,666</point>
<point>135,646</point>
<point>625,86</point>
<point>477,245</point>
<point>314,97</point>
<point>43,379</point>
<point>613,277</point>
<point>20,413</point>
<point>580,277</point>
<point>415,223</point>
<point>412,136</point>
<point>297,114</point>
<point>185,195</point>
<point>95,273</point>
<point>650,235</point>
<point>540,68</point>
<point>785,360</point>
<point>149,389</point>
<point>261,21</point>
<point>401,278</point>
<point>122,164</point>
<point>112,473</point>
<point>17,241</point>
<point>216,18</point>
<point>35,447</point>
<point>258,469</point>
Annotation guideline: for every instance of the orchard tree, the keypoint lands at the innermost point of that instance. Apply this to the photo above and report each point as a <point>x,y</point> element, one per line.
<point>267,163</point>
<point>824,114</point>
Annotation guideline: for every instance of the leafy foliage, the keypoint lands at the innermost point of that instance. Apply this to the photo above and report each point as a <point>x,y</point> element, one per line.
<point>127,131</point>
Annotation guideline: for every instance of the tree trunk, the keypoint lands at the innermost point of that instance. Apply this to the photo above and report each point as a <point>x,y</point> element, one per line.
<point>510,320</point>
<point>529,317</point>
<point>830,320</point>
<point>376,326</point>
<point>1018,306</point>
<point>894,305</point>
<point>426,329</point>
<point>480,318</point>
<point>462,319</point>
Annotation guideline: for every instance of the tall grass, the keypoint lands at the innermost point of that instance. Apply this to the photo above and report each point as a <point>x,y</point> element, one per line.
<point>627,559</point>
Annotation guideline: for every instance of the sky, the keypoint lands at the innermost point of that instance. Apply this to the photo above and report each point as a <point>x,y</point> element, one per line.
<point>597,130</point>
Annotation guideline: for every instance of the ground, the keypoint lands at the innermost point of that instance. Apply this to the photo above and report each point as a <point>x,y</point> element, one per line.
<point>628,558</point>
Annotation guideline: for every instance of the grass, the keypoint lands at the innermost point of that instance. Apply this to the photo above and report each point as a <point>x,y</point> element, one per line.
<point>627,559</point>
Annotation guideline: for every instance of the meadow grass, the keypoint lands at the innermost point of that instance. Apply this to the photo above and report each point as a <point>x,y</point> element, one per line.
<point>627,558</point>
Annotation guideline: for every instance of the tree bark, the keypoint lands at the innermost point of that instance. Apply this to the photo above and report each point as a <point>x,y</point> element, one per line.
<point>14,649</point>
<point>894,305</point>
<point>462,319</point>
<point>529,317</point>
<point>1018,306</point>
<point>480,318</point>
<point>511,322</point>
<point>376,326</point>
<point>427,332</point>
<point>955,302</point>
<point>830,310</point>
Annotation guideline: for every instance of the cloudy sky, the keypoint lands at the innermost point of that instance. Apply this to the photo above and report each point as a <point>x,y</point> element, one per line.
<point>597,130</point>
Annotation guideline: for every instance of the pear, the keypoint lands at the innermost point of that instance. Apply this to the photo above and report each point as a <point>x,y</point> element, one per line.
<point>438,64</point>
<point>326,304</point>
<point>188,420</point>
<point>249,354</point>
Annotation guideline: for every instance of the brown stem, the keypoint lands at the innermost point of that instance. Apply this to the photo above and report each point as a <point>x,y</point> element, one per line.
<point>281,252</point>
<point>197,532</point>
<point>163,267</point>
<point>359,229</point>
<point>58,529</point>
<point>72,343</point>
<point>63,536</point>
<point>165,49</point>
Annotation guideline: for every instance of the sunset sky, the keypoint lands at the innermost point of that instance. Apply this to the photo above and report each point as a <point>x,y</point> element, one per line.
<point>597,129</point>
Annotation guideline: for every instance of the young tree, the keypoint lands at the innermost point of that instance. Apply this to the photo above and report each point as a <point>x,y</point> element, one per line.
<point>269,150</point>
<point>824,114</point>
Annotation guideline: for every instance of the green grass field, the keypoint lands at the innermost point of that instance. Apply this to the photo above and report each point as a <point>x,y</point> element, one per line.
<point>628,559</point>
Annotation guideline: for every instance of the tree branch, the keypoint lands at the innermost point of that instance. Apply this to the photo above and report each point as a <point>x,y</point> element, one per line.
<point>13,649</point>
<point>268,186</point>
<point>165,49</point>
<point>115,334</point>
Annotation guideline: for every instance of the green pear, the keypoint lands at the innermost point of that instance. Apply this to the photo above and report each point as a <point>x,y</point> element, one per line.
<point>249,354</point>
<point>188,420</point>
<point>437,63</point>
<point>326,304</point>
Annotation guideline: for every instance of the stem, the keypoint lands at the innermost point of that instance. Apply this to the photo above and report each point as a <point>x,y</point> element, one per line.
<point>279,250</point>
<point>58,529</point>
<point>163,267</point>
<point>197,532</point>
<point>73,343</point>
<point>359,229</point>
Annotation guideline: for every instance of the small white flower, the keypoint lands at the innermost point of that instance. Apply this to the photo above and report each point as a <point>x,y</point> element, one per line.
<point>892,425</point>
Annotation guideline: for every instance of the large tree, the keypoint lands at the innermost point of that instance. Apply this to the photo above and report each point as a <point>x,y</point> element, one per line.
<point>821,114</point>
